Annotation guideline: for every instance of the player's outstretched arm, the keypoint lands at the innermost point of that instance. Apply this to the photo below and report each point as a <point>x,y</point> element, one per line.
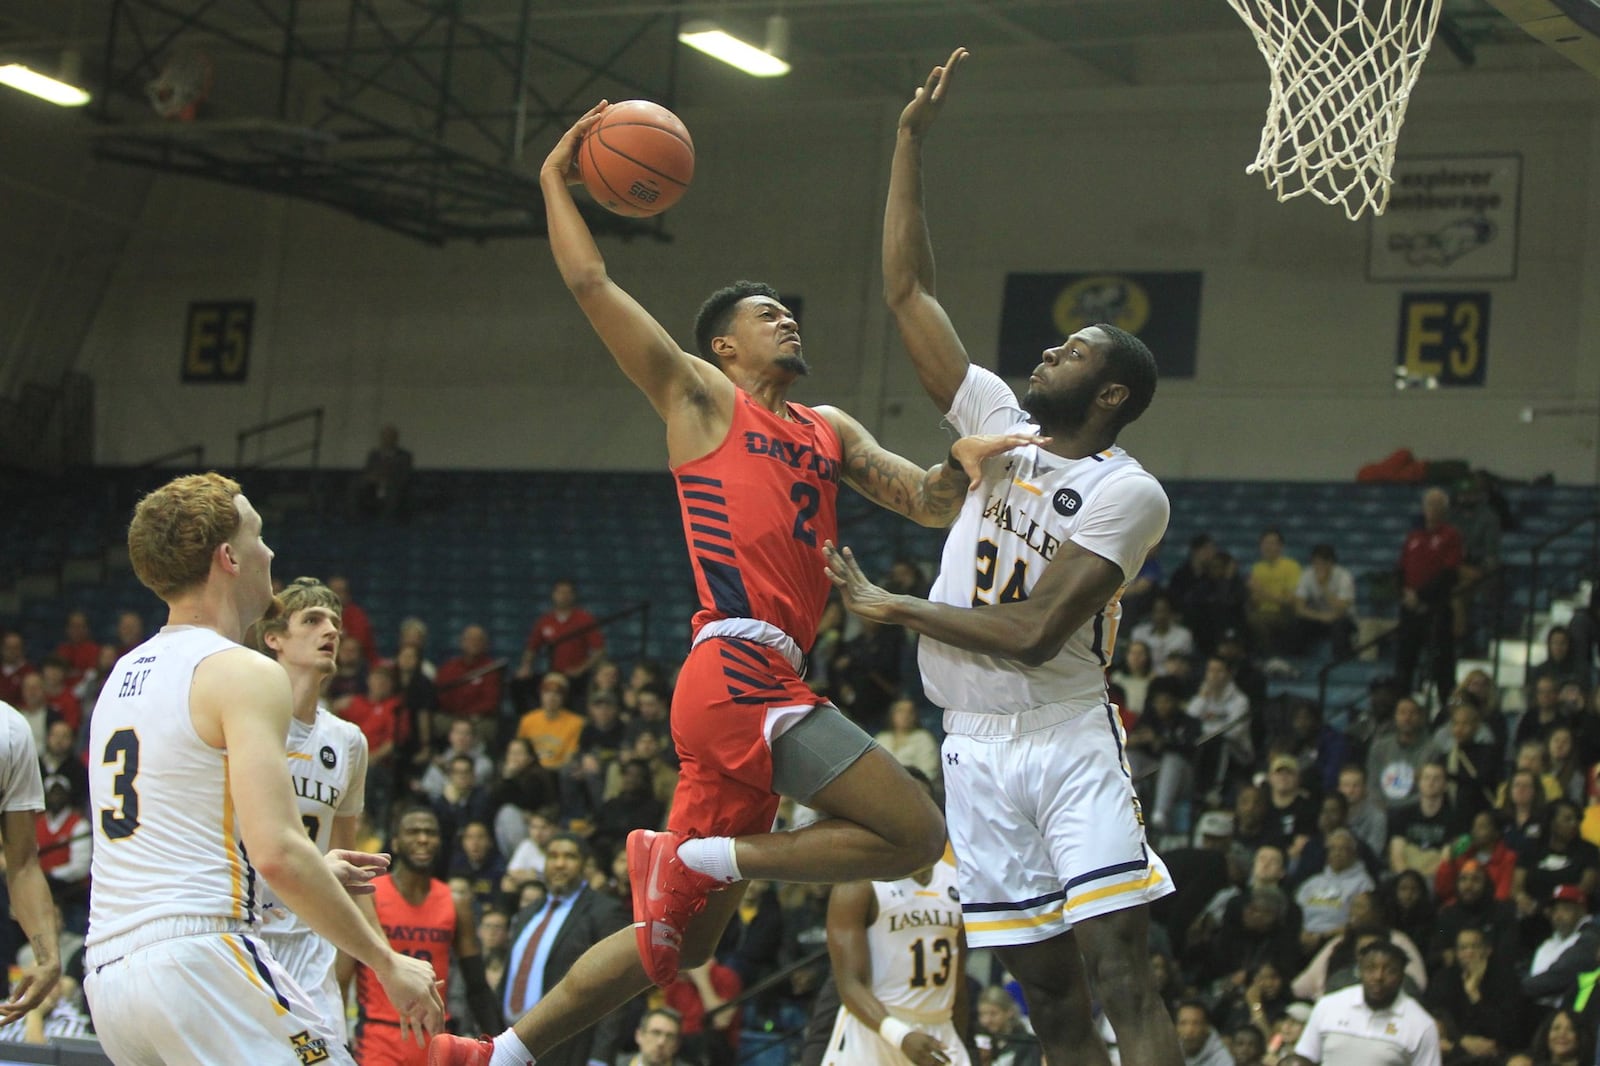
<point>936,350</point>
<point>850,911</point>
<point>930,497</point>
<point>242,700</point>
<point>1074,586</point>
<point>664,372</point>
<point>34,910</point>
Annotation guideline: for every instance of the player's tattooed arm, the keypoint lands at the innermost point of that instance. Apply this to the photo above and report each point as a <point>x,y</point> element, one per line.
<point>929,497</point>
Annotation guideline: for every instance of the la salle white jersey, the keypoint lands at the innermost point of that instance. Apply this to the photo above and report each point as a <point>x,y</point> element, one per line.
<point>913,944</point>
<point>328,767</point>
<point>166,839</point>
<point>1028,504</point>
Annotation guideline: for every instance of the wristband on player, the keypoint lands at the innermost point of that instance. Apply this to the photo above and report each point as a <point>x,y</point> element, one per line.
<point>951,461</point>
<point>893,1030</point>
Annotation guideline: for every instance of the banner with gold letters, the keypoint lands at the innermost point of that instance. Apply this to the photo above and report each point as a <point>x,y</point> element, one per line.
<point>1444,339</point>
<point>1041,310</point>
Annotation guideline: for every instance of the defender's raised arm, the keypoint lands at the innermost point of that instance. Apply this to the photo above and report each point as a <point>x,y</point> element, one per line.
<point>908,271</point>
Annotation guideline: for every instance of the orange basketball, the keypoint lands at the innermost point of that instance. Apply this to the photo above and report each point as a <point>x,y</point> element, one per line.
<point>637,160</point>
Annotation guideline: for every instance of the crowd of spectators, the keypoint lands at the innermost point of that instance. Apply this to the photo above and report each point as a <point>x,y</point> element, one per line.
<point>1431,875</point>
<point>1465,839</point>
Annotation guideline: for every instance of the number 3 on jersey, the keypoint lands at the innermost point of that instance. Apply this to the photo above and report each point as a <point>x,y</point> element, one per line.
<point>122,821</point>
<point>988,560</point>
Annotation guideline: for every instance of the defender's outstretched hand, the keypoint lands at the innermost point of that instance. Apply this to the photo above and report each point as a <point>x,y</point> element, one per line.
<point>563,158</point>
<point>970,452</point>
<point>861,596</point>
<point>920,113</point>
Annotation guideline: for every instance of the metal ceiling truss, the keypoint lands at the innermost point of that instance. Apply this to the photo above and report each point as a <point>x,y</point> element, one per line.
<point>411,114</point>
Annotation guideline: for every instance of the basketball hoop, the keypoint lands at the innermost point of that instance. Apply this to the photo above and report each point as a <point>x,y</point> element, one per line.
<point>183,84</point>
<point>1342,74</point>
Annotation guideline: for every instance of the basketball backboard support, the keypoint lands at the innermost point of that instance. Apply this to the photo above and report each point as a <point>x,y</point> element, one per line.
<point>1570,27</point>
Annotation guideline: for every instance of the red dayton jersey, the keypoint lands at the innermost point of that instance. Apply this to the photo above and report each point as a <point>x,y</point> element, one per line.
<point>755,513</point>
<point>426,932</point>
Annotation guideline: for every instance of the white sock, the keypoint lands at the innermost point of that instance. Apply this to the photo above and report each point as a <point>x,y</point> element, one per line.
<point>712,856</point>
<point>510,1051</point>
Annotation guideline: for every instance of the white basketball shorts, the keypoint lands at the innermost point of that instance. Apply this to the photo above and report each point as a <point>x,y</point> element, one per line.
<point>308,960</point>
<point>1045,825</point>
<point>180,995</point>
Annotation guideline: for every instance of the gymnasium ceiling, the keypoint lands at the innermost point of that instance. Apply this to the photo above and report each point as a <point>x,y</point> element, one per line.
<point>441,97</point>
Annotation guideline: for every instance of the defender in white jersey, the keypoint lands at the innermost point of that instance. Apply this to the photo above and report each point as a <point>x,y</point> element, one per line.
<point>900,962</point>
<point>190,798</point>
<point>1055,870</point>
<point>328,768</point>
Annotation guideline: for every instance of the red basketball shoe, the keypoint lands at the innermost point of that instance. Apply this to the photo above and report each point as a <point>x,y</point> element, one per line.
<point>666,897</point>
<point>447,1050</point>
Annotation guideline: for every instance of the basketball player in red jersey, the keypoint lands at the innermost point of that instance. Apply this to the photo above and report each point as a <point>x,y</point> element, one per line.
<point>757,480</point>
<point>422,920</point>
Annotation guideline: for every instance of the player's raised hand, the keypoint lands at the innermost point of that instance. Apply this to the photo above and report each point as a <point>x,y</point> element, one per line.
<point>356,870</point>
<point>924,1050</point>
<point>971,451</point>
<point>919,114</point>
<point>861,597</point>
<point>413,988</point>
<point>563,158</point>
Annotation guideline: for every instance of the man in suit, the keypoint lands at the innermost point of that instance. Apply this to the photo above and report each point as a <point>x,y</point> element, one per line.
<point>547,939</point>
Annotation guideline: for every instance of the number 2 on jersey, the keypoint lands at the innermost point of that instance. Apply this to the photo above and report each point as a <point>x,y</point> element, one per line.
<point>919,962</point>
<point>809,499</point>
<point>988,559</point>
<point>120,822</point>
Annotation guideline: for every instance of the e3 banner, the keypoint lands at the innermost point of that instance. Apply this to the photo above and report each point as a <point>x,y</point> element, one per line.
<point>1042,310</point>
<point>1444,338</point>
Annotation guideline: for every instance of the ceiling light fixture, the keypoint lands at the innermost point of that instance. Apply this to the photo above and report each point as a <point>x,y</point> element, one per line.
<point>30,81</point>
<point>718,43</point>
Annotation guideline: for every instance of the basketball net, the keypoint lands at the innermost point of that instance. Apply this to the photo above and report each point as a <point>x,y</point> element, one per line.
<point>182,86</point>
<point>1342,74</point>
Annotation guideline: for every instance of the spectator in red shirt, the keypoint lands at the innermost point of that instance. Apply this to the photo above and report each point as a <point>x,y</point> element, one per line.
<point>375,712</point>
<point>57,693</point>
<point>695,994</point>
<point>79,650</point>
<point>357,626</point>
<point>478,698</point>
<point>567,630</point>
<point>64,838</point>
<point>1428,563</point>
<point>14,666</point>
